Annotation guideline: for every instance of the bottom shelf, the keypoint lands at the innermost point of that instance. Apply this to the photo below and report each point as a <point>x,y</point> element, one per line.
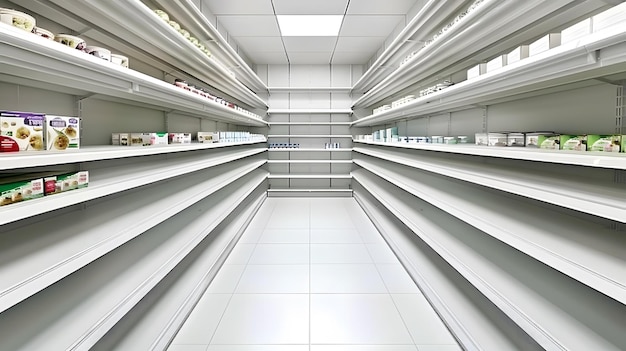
<point>294,192</point>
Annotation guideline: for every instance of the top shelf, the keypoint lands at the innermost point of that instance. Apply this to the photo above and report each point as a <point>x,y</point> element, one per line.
<point>596,55</point>
<point>195,21</point>
<point>132,22</point>
<point>309,111</point>
<point>492,28</point>
<point>309,89</point>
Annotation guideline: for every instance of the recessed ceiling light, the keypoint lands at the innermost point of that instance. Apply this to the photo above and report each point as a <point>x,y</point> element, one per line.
<point>309,26</point>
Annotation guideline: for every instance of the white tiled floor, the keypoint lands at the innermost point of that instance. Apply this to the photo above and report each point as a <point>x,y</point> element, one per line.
<point>312,274</point>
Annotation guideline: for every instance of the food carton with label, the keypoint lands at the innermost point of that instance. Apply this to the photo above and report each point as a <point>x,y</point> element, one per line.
<point>62,132</point>
<point>21,131</point>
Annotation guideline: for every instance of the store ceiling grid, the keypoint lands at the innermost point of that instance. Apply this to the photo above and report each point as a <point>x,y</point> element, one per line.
<point>253,25</point>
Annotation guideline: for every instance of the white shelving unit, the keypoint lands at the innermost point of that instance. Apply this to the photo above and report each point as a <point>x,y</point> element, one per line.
<point>317,136</point>
<point>309,89</point>
<point>311,123</point>
<point>303,111</point>
<point>311,150</point>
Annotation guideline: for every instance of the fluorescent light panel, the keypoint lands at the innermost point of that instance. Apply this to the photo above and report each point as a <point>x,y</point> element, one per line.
<point>309,25</point>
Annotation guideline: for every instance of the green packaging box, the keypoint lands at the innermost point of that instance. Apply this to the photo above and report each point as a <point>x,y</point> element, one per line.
<point>20,188</point>
<point>549,141</point>
<point>573,142</point>
<point>605,143</point>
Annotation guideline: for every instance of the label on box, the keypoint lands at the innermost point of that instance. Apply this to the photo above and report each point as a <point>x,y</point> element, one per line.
<point>208,137</point>
<point>71,181</point>
<point>14,190</point>
<point>180,138</point>
<point>574,142</point>
<point>21,131</point>
<point>62,132</point>
<point>548,141</point>
<point>605,143</point>
<point>159,138</point>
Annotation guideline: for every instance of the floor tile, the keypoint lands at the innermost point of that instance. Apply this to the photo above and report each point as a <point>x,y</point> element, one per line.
<point>240,254</point>
<point>397,279</point>
<point>251,235</point>
<point>265,319</point>
<point>175,347</point>
<point>226,279</point>
<point>356,319</point>
<point>340,253</point>
<point>285,236</point>
<point>258,348</point>
<point>280,254</point>
<point>263,279</point>
<point>371,236</point>
<point>454,347</point>
<point>363,348</point>
<point>203,320</point>
<point>335,236</point>
<point>422,321</point>
<point>346,278</point>
<point>381,253</point>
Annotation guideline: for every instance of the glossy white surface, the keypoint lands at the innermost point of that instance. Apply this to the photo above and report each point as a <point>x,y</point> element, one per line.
<point>312,274</point>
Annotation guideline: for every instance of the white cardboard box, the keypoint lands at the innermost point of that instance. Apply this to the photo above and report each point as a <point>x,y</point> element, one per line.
<point>477,70</point>
<point>497,63</point>
<point>62,132</point>
<point>544,43</point>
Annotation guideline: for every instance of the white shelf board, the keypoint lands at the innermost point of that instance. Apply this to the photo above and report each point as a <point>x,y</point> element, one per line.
<point>79,314</point>
<point>566,64</point>
<point>309,111</point>
<point>502,275</point>
<point>27,159</point>
<point>311,150</point>
<point>119,220</point>
<point>136,24</point>
<point>309,89</point>
<point>309,190</point>
<point>113,180</point>
<point>32,57</point>
<point>309,176</point>
<point>331,136</point>
<point>308,161</point>
<point>311,123</point>
<point>489,30</point>
<point>576,158</point>
<point>602,201</point>
<point>192,19</point>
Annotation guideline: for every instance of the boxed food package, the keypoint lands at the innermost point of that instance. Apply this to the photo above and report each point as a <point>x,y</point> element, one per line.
<point>477,70</point>
<point>20,188</point>
<point>67,181</point>
<point>549,141</point>
<point>481,139</point>
<point>180,138</point>
<point>158,138</point>
<point>573,142</point>
<point>576,31</point>
<point>21,131</point>
<point>496,63</point>
<point>62,132</point>
<point>516,139</point>
<point>140,139</point>
<point>208,137</point>
<point>520,53</point>
<point>532,138</point>
<point>606,143</point>
<point>544,43</point>
<point>497,139</point>
<point>120,139</point>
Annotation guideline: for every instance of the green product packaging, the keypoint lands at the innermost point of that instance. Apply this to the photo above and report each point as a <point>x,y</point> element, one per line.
<point>550,142</point>
<point>20,188</point>
<point>606,143</point>
<point>573,142</point>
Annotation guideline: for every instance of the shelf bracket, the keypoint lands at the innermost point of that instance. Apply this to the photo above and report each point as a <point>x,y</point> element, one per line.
<point>485,119</point>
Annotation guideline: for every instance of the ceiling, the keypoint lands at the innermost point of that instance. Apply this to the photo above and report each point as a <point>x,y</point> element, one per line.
<point>252,24</point>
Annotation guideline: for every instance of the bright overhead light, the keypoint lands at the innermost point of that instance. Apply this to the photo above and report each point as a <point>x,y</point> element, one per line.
<point>309,26</point>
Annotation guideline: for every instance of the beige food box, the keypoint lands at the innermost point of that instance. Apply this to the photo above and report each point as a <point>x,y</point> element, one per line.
<point>62,132</point>
<point>122,139</point>
<point>208,137</point>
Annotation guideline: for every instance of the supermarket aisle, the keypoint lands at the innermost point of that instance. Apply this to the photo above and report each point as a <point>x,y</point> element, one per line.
<point>312,274</point>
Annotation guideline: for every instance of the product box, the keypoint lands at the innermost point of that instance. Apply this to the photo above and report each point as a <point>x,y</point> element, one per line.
<point>577,31</point>
<point>67,181</point>
<point>62,132</point>
<point>516,139</point>
<point>481,139</point>
<point>122,139</point>
<point>496,63</point>
<point>158,138</point>
<point>532,138</point>
<point>477,70</point>
<point>497,139</point>
<point>606,143</point>
<point>549,141</point>
<point>20,188</point>
<point>21,131</point>
<point>573,142</point>
<point>208,137</point>
<point>520,53</point>
<point>180,138</point>
<point>140,139</point>
<point>545,43</point>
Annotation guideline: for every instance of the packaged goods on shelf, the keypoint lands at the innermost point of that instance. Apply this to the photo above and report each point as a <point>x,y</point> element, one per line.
<point>402,101</point>
<point>21,131</point>
<point>140,139</point>
<point>450,140</point>
<point>462,139</point>
<point>576,31</point>
<point>481,139</point>
<point>391,134</point>
<point>207,137</point>
<point>549,141</point>
<point>17,19</point>
<point>62,132</point>
<point>477,70</point>
<point>532,138</point>
<point>72,41</point>
<point>545,43</point>
<point>519,53</point>
<point>332,146</point>
<point>435,88</point>
<point>605,143</point>
<point>436,139</point>
<point>20,188</point>
<point>44,33</point>
<point>381,109</point>
<point>120,139</point>
<point>99,52</point>
<point>159,138</point>
<point>67,181</point>
<point>573,142</point>
<point>179,138</point>
<point>183,32</point>
<point>497,139</point>
<point>120,60</point>
<point>496,63</point>
<point>516,139</point>
<point>616,15</point>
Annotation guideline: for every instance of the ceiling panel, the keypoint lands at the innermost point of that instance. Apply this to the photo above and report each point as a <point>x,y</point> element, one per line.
<point>359,44</point>
<point>260,44</point>
<point>309,58</point>
<point>277,58</point>
<point>309,44</point>
<point>249,26</point>
<point>316,7</point>
<point>240,7</point>
<point>387,7</point>
<point>369,26</point>
<point>351,58</point>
